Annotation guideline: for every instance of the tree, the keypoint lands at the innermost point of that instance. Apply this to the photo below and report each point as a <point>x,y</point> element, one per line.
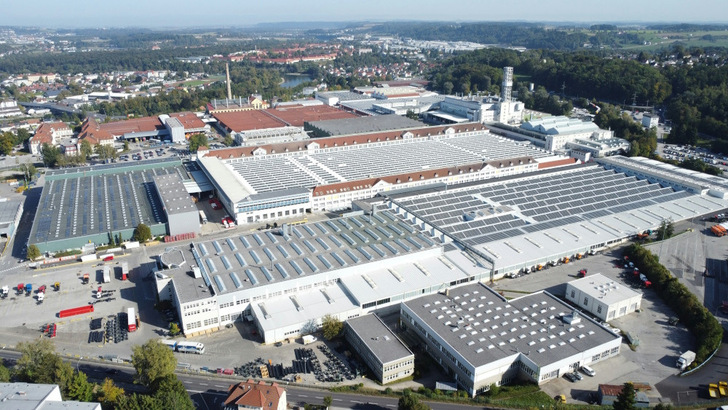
<point>152,361</point>
<point>50,155</point>
<point>142,233</point>
<point>86,149</point>
<point>170,391</point>
<point>173,329</point>
<point>410,402</point>
<point>80,389</point>
<point>625,398</point>
<point>29,171</point>
<point>108,393</point>
<point>33,252</point>
<point>4,373</point>
<point>197,141</point>
<point>327,401</point>
<point>39,363</point>
<point>228,140</point>
<point>666,230</point>
<point>139,402</point>
<point>331,326</point>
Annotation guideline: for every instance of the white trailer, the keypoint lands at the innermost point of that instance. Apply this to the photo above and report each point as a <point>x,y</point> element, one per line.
<point>308,339</point>
<point>107,274</point>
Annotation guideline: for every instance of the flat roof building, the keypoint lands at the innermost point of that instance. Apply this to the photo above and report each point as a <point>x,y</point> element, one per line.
<point>480,338</point>
<point>385,354</point>
<point>10,213</point>
<point>603,297</point>
<point>359,125</point>
<point>28,396</point>
<point>181,212</point>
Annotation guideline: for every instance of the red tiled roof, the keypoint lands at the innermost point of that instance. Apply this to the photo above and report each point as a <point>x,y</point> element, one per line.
<point>253,394</point>
<point>44,133</point>
<point>93,133</point>
<point>556,163</point>
<point>144,124</point>
<point>610,389</point>
<point>329,142</point>
<point>188,119</point>
<point>294,116</point>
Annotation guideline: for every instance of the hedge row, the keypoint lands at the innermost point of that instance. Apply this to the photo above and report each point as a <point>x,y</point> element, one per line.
<point>701,323</point>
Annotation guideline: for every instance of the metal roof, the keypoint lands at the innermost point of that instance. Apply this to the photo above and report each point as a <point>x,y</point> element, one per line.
<point>379,339</point>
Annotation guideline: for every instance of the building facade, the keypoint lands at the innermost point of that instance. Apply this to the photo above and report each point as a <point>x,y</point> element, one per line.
<point>602,297</point>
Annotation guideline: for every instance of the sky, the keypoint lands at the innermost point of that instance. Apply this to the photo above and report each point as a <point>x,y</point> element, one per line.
<point>226,13</point>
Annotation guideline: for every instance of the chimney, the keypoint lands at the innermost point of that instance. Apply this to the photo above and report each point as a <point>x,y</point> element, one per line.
<point>227,80</point>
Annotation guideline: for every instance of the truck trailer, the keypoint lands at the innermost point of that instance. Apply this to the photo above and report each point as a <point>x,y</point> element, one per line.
<point>107,274</point>
<point>131,319</point>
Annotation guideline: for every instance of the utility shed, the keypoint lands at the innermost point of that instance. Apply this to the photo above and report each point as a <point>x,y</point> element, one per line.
<point>385,354</point>
<point>603,297</point>
<point>182,214</point>
<point>608,395</point>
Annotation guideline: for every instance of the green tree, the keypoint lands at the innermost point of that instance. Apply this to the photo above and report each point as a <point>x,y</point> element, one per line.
<point>173,329</point>
<point>625,399</point>
<point>108,393</point>
<point>228,141</point>
<point>80,389</point>
<point>170,391</point>
<point>152,361</point>
<point>410,402</point>
<point>50,155</point>
<point>327,401</point>
<point>142,233</point>
<point>139,402</point>
<point>666,230</point>
<point>85,149</point>
<point>197,141</point>
<point>331,326</point>
<point>33,252</point>
<point>39,363</point>
<point>4,373</point>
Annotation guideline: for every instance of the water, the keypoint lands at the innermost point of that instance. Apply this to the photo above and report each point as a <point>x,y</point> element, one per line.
<point>292,80</point>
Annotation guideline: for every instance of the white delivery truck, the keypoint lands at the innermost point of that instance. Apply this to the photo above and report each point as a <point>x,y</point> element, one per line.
<point>685,360</point>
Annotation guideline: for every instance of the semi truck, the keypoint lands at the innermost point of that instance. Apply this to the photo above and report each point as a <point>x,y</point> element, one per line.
<point>107,274</point>
<point>685,360</point>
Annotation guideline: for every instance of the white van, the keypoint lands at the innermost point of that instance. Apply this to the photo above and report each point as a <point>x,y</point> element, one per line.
<point>588,371</point>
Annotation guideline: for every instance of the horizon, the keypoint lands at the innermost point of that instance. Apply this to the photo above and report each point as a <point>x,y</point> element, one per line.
<point>170,14</point>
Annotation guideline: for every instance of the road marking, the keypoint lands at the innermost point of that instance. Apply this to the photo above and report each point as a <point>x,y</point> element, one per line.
<point>302,395</point>
<point>318,397</point>
<point>219,385</point>
<point>357,402</point>
<point>203,384</point>
<point>338,400</point>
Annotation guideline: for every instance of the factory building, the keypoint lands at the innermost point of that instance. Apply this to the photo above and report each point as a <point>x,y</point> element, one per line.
<point>603,297</point>
<point>554,133</point>
<point>480,338</point>
<point>275,181</point>
<point>523,222</point>
<point>94,204</point>
<point>286,280</point>
<point>382,351</point>
<point>181,213</point>
<point>10,213</point>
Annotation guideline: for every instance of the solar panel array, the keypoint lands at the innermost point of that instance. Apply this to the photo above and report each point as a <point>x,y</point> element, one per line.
<point>527,205</point>
<point>271,173</point>
<point>89,205</point>
<point>312,248</point>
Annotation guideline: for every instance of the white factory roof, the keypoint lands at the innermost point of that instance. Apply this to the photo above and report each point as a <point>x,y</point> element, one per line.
<point>604,289</point>
<point>559,125</point>
<point>553,213</point>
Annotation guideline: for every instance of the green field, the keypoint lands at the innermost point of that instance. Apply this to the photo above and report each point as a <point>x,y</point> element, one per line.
<point>662,39</point>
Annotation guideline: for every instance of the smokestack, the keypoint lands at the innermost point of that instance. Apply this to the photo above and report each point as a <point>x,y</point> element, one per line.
<point>227,79</point>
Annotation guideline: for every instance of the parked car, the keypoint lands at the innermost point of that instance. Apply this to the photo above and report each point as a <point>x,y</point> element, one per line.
<point>570,377</point>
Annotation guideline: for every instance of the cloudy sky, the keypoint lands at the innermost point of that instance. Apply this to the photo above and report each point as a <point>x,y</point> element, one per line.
<point>217,13</point>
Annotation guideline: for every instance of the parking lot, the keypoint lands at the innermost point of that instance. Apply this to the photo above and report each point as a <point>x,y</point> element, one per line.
<point>660,343</point>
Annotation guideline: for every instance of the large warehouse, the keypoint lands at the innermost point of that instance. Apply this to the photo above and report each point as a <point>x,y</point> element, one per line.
<point>89,204</point>
<point>481,338</point>
<point>269,182</point>
<point>287,280</point>
<point>520,222</point>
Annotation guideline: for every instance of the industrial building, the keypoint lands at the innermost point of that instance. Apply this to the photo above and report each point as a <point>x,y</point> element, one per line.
<point>286,280</point>
<point>385,355</point>
<point>39,396</point>
<point>480,338</point>
<point>522,222</point>
<point>286,180</point>
<point>181,213</point>
<point>86,205</point>
<point>360,125</point>
<point>554,133</point>
<point>603,297</point>
<point>10,213</point>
